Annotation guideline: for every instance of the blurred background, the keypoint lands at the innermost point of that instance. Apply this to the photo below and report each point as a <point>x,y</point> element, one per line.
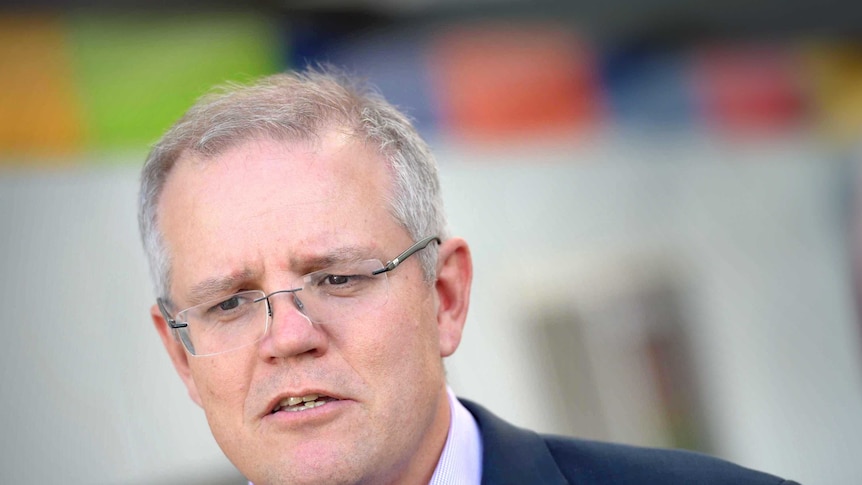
<point>659,196</point>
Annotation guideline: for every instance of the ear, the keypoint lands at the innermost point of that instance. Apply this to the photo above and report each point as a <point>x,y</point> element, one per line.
<point>177,353</point>
<point>454,277</point>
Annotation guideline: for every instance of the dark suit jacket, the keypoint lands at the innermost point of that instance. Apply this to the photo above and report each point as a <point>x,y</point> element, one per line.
<point>513,455</point>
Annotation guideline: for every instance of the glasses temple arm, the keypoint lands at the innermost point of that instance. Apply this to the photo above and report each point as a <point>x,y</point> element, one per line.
<point>167,315</point>
<point>392,264</point>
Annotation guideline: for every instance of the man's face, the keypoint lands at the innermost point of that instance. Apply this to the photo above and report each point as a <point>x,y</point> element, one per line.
<point>260,215</point>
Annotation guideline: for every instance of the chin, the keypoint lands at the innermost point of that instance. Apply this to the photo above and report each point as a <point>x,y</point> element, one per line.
<point>311,476</point>
<point>310,465</point>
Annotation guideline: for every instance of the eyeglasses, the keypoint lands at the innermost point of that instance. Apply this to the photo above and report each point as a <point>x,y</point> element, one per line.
<point>332,295</point>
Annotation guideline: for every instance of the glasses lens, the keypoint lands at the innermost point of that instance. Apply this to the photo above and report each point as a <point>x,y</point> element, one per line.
<point>340,293</point>
<point>224,324</point>
<point>335,295</point>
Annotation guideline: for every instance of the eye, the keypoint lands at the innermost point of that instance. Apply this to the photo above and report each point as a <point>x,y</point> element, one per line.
<point>335,279</point>
<point>229,304</point>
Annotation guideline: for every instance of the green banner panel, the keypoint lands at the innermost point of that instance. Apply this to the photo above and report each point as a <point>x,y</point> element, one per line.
<point>137,73</point>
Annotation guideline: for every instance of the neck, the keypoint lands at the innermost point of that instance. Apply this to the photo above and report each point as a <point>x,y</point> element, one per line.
<point>420,467</point>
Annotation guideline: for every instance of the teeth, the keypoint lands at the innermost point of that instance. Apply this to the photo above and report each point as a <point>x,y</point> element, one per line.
<point>308,405</point>
<point>294,400</point>
<point>292,403</point>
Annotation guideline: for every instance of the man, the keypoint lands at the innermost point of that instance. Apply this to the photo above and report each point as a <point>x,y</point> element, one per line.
<point>308,291</point>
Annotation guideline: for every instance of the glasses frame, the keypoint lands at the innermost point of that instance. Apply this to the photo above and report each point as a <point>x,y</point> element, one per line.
<point>389,266</point>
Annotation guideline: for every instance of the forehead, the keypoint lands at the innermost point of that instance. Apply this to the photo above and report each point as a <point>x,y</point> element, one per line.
<point>266,200</point>
<point>334,161</point>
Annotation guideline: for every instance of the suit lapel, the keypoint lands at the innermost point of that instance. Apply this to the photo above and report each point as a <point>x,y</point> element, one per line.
<point>512,455</point>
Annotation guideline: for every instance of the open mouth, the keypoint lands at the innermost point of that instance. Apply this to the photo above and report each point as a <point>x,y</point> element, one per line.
<point>304,403</point>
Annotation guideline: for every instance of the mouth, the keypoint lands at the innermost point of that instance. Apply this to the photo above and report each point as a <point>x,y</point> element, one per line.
<point>295,404</point>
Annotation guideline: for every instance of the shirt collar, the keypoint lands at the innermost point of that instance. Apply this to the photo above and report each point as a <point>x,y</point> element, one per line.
<point>461,460</point>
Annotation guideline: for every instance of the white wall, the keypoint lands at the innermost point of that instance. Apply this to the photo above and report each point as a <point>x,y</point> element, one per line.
<point>89,395</point>
<point>755,232</point>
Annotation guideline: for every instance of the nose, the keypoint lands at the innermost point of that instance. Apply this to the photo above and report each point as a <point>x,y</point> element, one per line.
<point>291,333</point>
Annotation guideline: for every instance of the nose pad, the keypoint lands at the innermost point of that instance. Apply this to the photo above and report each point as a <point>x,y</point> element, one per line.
<point>297,303</point>
<point>290,332</point>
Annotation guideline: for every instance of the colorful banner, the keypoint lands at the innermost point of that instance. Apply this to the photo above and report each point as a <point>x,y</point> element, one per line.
<point>84,84</point>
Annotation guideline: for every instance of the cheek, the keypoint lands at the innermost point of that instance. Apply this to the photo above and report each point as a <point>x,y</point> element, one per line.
<point>397,340</point>
<point>222,385</point>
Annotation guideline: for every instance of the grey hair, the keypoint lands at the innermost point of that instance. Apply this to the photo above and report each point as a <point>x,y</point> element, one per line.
<point>297,106</point>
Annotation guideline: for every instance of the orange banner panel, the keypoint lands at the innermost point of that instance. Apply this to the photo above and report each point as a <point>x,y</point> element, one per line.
<point>497,81</point>
<point>39,114</point>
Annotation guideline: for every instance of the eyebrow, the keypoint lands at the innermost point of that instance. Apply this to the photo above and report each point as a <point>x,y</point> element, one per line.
<point>210,287</point>
<point>344,254</point>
